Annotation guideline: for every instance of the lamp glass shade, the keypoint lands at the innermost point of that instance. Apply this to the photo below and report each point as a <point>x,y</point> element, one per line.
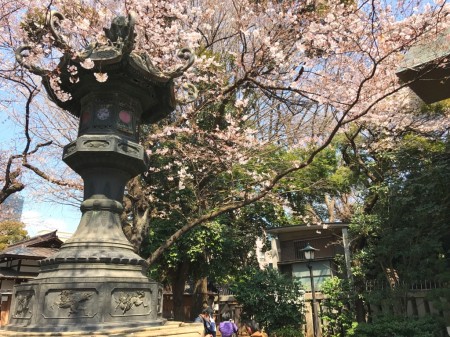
<point>309,255</point>
<point>308,251</point>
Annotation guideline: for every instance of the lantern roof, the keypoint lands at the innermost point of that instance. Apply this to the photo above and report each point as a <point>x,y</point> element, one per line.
<point>127,71</point>
<point>308,248</point>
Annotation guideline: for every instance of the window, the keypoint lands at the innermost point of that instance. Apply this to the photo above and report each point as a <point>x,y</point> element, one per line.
<point>320,269</point>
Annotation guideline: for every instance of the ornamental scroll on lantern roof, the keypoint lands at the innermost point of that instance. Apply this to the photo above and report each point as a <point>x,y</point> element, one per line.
<point>426,68</point>
<point>128,71</point>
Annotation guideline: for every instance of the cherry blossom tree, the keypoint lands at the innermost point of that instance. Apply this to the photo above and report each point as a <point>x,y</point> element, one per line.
<point>268,76</point>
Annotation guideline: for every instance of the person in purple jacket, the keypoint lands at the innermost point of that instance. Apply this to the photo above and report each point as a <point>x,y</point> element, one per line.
<point>227,327</point>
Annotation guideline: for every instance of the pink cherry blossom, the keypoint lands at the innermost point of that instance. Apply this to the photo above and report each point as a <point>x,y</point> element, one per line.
<point>101,77</point>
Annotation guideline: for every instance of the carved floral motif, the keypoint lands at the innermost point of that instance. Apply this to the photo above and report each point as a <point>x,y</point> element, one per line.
<point>96,143</point>
<point>126,301</point>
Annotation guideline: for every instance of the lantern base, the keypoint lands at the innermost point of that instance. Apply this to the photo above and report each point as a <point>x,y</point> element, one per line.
<point>81,303</point>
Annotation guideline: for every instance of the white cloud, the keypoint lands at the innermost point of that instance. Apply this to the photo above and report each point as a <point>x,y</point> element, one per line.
<point>44,219</point>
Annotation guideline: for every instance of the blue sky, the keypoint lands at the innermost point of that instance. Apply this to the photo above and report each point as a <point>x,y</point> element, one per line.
<point>40,216</point>
<point>37,214</point>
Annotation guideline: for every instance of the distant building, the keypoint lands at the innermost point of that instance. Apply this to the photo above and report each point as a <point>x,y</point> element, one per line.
<point>19,263</point>
<point>11,208</point>
<point>63,236</point>
<point>287,242</point>
<point>331,239</point>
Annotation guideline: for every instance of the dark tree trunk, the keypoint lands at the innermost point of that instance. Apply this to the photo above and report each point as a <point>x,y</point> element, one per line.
<point>200,294</point>
<point>360,311</point>
<point>178,284</point>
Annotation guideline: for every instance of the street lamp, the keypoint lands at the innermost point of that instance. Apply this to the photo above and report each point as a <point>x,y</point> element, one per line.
<point>309,251</point>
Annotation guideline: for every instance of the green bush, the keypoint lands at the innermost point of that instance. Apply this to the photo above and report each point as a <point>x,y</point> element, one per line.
<point>394,326</point>
<point>337,315</point>
<point>271,299</point>
<point>287,332</point>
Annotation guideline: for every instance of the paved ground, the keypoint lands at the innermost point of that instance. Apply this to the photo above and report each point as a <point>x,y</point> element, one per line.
<point>170,329</point>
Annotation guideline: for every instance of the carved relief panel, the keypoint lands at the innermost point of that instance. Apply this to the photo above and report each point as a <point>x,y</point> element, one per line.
<point>23,304</point>
<point>131,302</point>
<point>71,303</point>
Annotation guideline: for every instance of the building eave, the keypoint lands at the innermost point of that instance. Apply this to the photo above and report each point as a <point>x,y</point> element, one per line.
<point>305,228</point>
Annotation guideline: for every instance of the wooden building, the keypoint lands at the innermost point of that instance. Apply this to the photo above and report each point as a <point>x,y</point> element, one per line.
<point>20,262</point>
<point>330,240</point>
<point>287,243</point>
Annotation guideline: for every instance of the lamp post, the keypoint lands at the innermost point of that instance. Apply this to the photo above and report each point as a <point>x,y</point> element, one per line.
<point>309,256</point>
<point>96,281</point>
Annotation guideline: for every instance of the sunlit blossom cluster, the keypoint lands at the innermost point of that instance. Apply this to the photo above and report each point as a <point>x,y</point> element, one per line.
<point>271,73</point>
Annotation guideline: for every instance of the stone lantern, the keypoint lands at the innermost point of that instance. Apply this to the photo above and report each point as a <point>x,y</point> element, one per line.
<point>96,281</point>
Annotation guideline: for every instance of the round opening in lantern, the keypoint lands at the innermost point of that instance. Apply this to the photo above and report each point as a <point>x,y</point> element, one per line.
<point>125,117</point>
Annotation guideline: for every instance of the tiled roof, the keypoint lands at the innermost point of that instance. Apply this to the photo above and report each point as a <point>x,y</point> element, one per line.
<point>23,252</point>
<point>38,247</point>
<point>39,241</point>
<point>35,248</point>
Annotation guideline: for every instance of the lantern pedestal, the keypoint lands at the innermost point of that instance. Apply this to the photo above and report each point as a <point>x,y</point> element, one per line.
<point>96,281</point>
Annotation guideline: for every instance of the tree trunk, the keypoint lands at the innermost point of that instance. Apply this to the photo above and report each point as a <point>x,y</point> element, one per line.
<point>200,294</point>
<point>178,284</point>
<point>330,203</point>
<point>360,311</point>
